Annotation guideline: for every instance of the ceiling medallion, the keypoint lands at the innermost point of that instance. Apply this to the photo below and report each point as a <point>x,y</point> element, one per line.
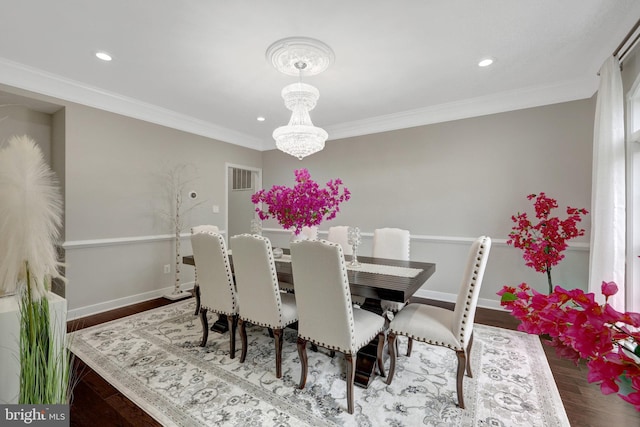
<point>285,53</point>
<point>300,56</point>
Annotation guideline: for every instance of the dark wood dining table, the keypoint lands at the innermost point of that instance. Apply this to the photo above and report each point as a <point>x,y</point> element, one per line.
<point>372,286</point>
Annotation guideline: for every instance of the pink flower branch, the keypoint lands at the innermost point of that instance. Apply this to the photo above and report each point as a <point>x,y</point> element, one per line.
<point>303,205</point>
<point>543,243</point>
<point>581,329</point>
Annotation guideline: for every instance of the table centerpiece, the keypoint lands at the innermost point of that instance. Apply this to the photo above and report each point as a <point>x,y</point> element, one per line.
<point>303,205</point>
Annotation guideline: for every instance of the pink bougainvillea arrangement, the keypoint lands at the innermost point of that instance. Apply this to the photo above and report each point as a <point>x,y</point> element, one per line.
<point>543,243</point>
<point>303,205</point>
<point>580,328</point>
<point>570,320</point>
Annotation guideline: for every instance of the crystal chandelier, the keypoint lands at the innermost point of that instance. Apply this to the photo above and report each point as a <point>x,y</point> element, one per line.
<point>302,57</point>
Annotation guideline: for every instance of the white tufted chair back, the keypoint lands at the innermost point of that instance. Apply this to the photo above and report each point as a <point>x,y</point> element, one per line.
<point>257,281</point>
<point>465,309</point>
<point>340,234</point>
<point>309,233</point>
<point>323,295</point>
<point>391,243</point>
<point>213,271</point>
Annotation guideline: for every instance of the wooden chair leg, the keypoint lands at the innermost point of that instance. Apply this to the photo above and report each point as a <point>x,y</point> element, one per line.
<point>243,336</point>
<point>380,351</point>
<point>462,363</point>
<point>277,333</point>
<point>409,346</point>
<point>232,321</point>
<point>196,292</point>
<point>205,326</point>
<point>469,356</point>
<point>392,356</point>
<point>351,376</point>
<point>302,354</point>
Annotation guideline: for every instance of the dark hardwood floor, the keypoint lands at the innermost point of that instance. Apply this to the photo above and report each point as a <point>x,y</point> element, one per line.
<point>97,403</point>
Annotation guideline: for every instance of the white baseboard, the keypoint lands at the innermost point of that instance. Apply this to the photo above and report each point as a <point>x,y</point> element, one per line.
<point>123,302</point>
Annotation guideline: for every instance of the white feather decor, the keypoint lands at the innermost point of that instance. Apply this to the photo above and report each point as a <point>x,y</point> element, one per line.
<point>30,218</point>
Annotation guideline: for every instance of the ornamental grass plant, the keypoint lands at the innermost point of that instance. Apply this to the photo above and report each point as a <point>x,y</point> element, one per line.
<point>30,219</point>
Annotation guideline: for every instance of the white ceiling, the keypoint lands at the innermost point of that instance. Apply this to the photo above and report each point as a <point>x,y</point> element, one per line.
<point>200,66</point>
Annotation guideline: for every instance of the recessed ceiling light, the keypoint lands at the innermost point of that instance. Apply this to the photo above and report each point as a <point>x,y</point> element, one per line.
<point>104,56</point>
<point>485,62</point>
<point>260,119</point>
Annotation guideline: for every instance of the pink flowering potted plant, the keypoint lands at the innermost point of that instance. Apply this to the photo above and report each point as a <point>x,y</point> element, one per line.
<point>303,205</point>
<point>543,243</point>
<point>571,320</point>
<point>580,328</point>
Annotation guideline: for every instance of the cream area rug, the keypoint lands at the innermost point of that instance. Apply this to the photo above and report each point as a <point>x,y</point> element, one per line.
<point>154,358</point>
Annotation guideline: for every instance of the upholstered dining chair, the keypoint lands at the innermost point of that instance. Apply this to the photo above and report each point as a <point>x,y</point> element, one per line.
<point>215,279</point>
<point>309,233</point>
<point>391,243</point>
<point>196,288</point>
<point>261,302</point>
<point>340,234</point>
<point>326,315</point>
<point>447,328</point>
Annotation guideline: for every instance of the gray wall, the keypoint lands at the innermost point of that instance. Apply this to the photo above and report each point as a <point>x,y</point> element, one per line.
<point>450,182</point>
<point>447,183</point>
<point>114,192</point>
<point>16,120</point>
<point>113,173</point>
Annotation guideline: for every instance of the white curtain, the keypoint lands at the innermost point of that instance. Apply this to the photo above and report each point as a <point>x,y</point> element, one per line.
<point>607,258</point>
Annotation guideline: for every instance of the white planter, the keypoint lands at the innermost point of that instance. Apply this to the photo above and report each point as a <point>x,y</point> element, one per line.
<point>10,341</point>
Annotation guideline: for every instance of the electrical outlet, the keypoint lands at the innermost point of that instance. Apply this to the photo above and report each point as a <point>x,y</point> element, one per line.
<point>167,268</point>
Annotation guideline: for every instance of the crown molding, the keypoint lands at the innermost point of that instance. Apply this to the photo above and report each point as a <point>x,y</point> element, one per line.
<point>35,80</point>
<point>473,107</point>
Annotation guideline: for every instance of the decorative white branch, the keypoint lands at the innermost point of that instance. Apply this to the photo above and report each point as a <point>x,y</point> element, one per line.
<point>176,180</point>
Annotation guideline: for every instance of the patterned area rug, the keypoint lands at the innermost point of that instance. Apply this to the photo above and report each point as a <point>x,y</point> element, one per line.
<point>154,358</point>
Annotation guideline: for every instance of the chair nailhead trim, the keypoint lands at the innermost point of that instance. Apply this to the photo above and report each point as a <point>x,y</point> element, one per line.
<point>213,310</point>
<point>274,282</point>
<point>355,346</point>
<point>415,338</point>
<point>466,309</point>
<point>227,266</point>
<point>266,325</point>
<point>358,346</point>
